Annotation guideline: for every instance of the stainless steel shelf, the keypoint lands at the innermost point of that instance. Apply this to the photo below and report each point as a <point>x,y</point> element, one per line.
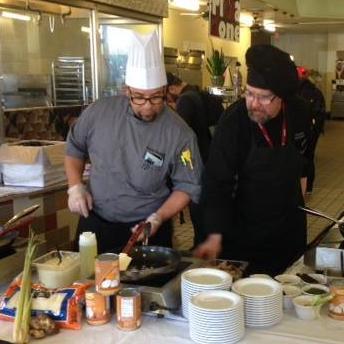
<point>70,84</point>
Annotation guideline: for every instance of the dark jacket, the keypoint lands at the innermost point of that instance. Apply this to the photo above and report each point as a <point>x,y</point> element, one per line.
<point>191,108</point>
<point>229,151</point>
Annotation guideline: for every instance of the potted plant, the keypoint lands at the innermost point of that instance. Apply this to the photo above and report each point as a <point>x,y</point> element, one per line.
<point>216,66</point>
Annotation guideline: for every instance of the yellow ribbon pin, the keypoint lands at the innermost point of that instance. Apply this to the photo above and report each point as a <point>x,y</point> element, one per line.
<point>186,158</point>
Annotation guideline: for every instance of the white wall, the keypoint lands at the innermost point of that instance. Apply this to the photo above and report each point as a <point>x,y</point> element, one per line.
<point>316,52</point>
<point>187,31</point>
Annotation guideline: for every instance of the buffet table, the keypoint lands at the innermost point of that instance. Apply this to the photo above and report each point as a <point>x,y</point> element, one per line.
<point>156,331</point>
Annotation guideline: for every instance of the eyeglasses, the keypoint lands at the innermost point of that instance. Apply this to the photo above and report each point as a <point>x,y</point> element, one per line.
<point>262,99</point>
<point>140,100</point>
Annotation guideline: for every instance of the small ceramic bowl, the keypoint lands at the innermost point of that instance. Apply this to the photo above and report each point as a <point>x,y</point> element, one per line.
<point>320,278</point>
<point>289,292</point>
<point>315,289</point>
<point>304,308</point>
<point>288,279</point>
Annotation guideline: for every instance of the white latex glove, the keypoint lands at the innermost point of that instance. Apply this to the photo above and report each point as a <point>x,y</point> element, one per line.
<point>155,221</point>
<point>79,200</point>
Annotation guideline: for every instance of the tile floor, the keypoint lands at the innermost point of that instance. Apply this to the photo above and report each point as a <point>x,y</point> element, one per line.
<point>328,191</point>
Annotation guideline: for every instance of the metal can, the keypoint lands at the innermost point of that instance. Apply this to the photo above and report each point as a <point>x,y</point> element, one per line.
<point>97,307</point>
<point>107,274</point>
<point>128,306</point>
<point>336,305</point>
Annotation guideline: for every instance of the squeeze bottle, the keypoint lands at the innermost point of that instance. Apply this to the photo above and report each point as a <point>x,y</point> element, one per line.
<point>88,253</point>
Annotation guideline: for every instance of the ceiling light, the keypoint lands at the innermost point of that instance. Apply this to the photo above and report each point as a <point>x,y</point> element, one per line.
<point>270,27</point>
<point>191,5</point>
<point>246,19</point>
<point>13,15</point>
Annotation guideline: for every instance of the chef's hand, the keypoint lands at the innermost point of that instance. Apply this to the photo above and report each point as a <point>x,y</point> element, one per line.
<point>79,200</point>
<point>155,220</point>
<point>210,248</point>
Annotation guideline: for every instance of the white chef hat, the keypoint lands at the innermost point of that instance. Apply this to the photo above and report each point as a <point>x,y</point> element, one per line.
<point>145,68</point>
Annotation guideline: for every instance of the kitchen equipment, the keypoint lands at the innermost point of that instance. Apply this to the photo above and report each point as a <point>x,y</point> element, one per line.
<point>18,220</point>
<point>143,227</point>
<point>160,293</point>
<point>150,260</point>
<point>70,78</point>
<point>315,212</point>
<point>324,259</point>
<point>6,242</point>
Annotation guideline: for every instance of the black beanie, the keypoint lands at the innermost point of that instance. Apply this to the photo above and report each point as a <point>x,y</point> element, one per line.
<point>271,68</point>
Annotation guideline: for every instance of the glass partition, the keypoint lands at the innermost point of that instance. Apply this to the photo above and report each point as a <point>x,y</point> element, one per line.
<point>30,41</point>
<point>114,38</point>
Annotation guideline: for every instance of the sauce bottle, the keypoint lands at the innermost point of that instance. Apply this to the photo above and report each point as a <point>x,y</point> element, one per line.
<point>88,253</point>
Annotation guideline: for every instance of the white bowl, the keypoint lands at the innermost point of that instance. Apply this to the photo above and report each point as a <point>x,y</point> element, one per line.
<point>289,292</point>
<point>311,289</point>
<point>304,309</point>
<point>288,279</point>
<point>322,279</point>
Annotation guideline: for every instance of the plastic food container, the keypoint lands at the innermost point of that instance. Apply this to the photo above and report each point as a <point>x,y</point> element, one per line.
<point>53,274</point>
<point>304,307</point>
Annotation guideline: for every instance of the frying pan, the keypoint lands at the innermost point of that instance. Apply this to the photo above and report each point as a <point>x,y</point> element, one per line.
<point>10,230</point>
<point>18,220</point>
<point>150,260</point>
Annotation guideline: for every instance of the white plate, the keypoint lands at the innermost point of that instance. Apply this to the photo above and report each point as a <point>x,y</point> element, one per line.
<point>206,277</point>
<point>216,300</point>
<point>255,287</point>
<point>217,339</point>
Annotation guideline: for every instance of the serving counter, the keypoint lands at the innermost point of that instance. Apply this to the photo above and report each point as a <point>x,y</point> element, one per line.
<point>156,331</point>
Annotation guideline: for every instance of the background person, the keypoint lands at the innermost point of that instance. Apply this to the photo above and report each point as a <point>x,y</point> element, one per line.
<point>312,94</point>
<point>255,169</point>
<point>145,163</point>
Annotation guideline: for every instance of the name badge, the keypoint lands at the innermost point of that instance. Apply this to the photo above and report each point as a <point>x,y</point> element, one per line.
<point>152,158</point>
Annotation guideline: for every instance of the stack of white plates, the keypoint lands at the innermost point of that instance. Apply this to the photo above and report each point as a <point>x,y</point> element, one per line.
<point>196,280</point>
<point>216,316</point>
<point>263,301</point>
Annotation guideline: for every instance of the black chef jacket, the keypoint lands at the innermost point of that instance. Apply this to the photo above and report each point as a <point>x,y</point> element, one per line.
<point>251,191</point>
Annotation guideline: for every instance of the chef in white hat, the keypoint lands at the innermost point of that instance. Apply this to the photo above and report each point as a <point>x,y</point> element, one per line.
<point>145,163</point>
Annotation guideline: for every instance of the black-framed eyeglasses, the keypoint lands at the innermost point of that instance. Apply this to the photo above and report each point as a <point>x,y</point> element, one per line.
<point>262,99</point>
<point>140,100</point>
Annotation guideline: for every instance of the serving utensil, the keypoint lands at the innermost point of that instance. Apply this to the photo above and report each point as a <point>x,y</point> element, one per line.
<point>321,214</point>
<point>124,257</point>
<point>18,220</point>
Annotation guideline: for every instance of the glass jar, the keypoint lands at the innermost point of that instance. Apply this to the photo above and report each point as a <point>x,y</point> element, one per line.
<point>336,305</point>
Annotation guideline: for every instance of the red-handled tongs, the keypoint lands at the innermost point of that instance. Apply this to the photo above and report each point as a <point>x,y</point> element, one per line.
<point>144,227</point>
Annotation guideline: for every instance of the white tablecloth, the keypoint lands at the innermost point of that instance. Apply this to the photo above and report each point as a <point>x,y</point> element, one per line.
<point>156,331</point>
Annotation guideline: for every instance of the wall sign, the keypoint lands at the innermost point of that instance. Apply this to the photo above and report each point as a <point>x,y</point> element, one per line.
<point>224,19</point>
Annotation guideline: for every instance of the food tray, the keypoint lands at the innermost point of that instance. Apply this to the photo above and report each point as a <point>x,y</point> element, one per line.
<point>236,268</point>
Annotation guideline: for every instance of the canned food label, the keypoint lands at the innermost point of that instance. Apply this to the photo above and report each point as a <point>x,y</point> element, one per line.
<point>127,308</point>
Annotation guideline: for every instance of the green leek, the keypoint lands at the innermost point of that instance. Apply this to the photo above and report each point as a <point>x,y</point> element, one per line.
<point>23,311</point>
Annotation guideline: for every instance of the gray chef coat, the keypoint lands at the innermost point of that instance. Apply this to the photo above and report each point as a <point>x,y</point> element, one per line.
<point>133,161</point>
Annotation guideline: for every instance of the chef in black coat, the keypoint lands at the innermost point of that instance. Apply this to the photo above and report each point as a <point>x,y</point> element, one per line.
<point>255,174</point>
